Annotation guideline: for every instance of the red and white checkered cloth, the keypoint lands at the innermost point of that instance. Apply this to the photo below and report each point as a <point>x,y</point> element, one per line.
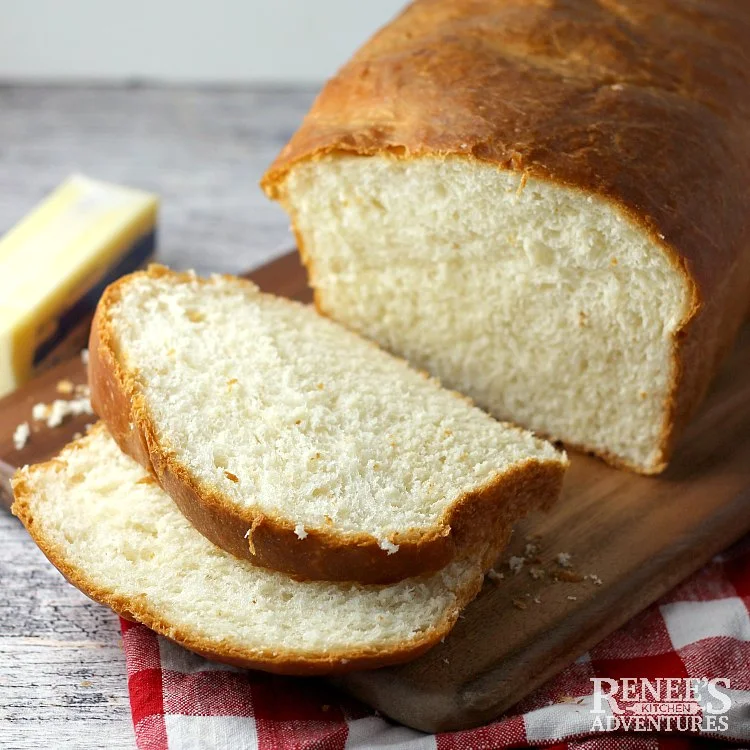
<point>700,630</point>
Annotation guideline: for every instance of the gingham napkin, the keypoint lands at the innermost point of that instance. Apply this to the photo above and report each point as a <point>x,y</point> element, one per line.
<point>699,630</point>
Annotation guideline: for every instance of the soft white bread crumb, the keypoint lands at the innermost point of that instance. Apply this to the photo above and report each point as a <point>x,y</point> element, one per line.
<point>546,306</point>
<point>282,411</point>
<point>388,546</point>
<point>119,537</point>
<point>54,414</point>
<point>61,409</point>
<point>39,411</point>
<point>21,435</point>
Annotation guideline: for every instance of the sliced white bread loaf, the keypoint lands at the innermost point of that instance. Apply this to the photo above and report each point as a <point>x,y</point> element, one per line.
<point>117,536</point>
<point>290,441</point>
<point>493,298</point>
<point>546,214</point>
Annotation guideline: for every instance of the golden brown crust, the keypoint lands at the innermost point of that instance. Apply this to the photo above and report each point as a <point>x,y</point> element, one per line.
<point>643,103</point>
<point>271,541</point>
<point>269,660</point>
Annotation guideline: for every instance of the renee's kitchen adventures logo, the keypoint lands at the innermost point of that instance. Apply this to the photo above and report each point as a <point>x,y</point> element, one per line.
<point>634,704</point>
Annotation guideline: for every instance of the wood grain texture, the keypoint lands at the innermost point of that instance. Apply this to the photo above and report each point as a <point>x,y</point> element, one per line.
<point>203,151</point>
<point>640,535</point>
<point>62,670</point>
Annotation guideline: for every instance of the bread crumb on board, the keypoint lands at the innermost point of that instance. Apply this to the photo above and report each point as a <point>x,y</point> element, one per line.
<point>21,436</point>
<point>65,387</point>
<point>559,571</point>
<point>567,575</point>
<point>55,413</point>
<point>39,411</point>
<point>300,532</point>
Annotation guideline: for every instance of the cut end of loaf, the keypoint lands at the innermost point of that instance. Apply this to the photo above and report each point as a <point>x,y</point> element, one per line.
<point>121,540</point>
<point>546,305</point>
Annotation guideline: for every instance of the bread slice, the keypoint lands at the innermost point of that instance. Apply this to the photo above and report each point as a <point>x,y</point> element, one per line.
<point>290,441</point>
<point>545,214</point>
<point>117,536</point>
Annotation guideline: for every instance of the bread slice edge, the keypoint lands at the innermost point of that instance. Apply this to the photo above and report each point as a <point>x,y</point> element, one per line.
<point>279,661</point>
<point>270,541</point>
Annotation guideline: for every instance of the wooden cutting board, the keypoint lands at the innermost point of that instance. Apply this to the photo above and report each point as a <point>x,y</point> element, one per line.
<point>639,535</point>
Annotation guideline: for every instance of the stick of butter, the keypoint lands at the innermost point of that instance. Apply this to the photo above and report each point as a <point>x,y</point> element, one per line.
<point>56,262</point>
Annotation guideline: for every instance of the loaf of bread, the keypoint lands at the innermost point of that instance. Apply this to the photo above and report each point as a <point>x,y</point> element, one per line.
<point>290,441</point>
<point>113,533</point>
<point>543,204</point>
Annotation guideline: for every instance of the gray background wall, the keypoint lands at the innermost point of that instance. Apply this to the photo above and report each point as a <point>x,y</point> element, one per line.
<point>186,41</point>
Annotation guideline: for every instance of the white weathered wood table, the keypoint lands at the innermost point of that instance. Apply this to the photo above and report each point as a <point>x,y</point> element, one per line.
<point>62,672</point>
